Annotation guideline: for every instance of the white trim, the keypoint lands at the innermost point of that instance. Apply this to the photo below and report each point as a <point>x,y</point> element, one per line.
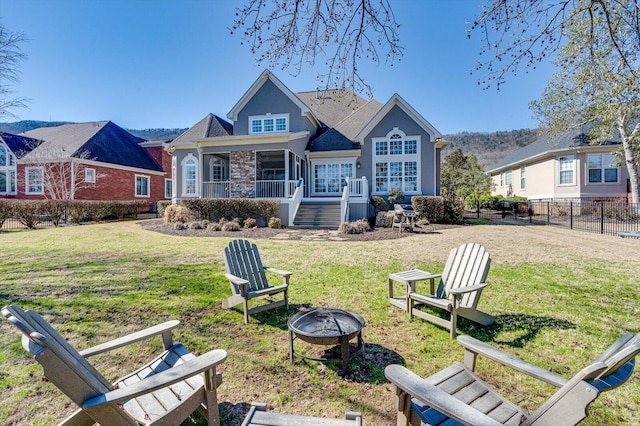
<point>26,180</point>
<point>196,192</point>
<point>168,181</point>
<point>87,172</point>
<point>135,189</point>
<point>395,158</point>
<point>602,169</point>
<point>264,77</point>
<point>327,161</point>
<point>396,100</point>
<point>573,169</point>
<point>262,119</point>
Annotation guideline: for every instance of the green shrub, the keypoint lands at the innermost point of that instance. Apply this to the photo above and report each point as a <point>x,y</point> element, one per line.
<point>161,206</point>
<point>177,213</point>
<point>250,223</point>
<point>395,197</point>
<point>78,211</point>
<point>379,204</point>
<point>453,211</point>
<point>275,222</point>
<point>99,210</point>
<point>428,208</point>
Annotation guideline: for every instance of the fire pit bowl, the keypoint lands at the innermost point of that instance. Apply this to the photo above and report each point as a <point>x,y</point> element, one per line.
<point>327,326</point>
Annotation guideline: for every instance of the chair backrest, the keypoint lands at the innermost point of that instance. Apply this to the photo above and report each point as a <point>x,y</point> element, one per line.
<point>243,260</point>
<point>611,369</point>
<point>467,265</point>
<point>62,364</point>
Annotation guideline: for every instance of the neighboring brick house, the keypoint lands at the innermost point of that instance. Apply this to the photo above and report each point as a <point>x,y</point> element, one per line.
<point>567,167</point>
<point>85,161</point>
<point>308,150</point>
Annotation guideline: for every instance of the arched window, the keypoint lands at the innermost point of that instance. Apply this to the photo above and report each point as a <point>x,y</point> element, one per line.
<point>396,159</point>
<point>7,171</point>
<point>190,176</point>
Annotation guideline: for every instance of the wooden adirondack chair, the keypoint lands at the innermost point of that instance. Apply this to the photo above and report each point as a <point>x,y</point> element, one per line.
<point>165,391</point>
<point>459,289</point>
<point>247,278</point>
<point>456,393</point>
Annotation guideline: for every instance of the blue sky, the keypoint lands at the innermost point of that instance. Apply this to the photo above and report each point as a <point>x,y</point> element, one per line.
<point>167,63</point>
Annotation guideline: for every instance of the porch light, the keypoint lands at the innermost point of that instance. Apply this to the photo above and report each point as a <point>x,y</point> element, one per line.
<point>358,165</point>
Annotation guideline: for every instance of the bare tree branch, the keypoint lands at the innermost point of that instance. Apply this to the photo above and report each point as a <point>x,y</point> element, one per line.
<point>11,56</point>
<point>292,34</point>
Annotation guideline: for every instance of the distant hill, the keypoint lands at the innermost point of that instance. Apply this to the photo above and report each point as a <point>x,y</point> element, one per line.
<point>147,134</point>
<point>488,147</point>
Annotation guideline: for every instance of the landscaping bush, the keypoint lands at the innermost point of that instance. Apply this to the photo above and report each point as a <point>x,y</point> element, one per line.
<point>385,219</point>
<point>196,225</point>
<point>6,211</point>
<point>180,226</point>
<point>78,211</point>
<point>55,209</point>
<point>177,213</point>
<point>359,226</point>
<point>395,197</point>
<point>214,226</point>
<point>428,208</point>
<point>231,226</point>
<point>453,211</point>
<point>250,223</point>
<point>99,210</point>
<point>379,204</point>
<point>28,213</point>
<point>161,206</point>
<point>275,222</point>
<point>216,209</point>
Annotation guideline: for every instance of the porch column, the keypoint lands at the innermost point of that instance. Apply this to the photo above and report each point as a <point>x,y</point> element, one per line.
<point>242,174</point>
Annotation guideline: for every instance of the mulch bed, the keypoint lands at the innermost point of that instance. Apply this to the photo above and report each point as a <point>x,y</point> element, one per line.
<point>158,225</point>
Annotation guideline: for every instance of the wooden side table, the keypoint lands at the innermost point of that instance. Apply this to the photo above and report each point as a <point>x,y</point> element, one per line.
<point>409,279</point>
<point>259,416</point>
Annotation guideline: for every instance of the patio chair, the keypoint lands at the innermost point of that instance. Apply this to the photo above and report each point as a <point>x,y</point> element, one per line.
<point>259,416</point>
<point>456,395</point>
<point>458,291</point>
<point>247,278</point>
<point>164,391</point>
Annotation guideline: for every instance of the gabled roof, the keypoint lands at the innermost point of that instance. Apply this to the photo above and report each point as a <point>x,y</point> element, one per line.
<point>547,145</point>
<point>101,141</point>
<point>353,124</point>
<point>331,106</point>
<point>210,126</point>
<point>397,100</point>
<point>264,77</point>
<point>331,140</point>
<point>19,145</point>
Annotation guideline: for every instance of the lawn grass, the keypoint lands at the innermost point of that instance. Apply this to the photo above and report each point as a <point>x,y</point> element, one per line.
<point>560,297</point>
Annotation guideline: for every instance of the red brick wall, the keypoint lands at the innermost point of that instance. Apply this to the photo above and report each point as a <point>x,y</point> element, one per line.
<point>111,184</point>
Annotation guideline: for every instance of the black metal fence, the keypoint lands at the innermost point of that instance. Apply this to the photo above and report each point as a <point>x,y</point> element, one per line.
<point>603,217</point>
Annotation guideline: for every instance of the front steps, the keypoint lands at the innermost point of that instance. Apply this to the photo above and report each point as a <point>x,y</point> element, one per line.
<point>318,215</point>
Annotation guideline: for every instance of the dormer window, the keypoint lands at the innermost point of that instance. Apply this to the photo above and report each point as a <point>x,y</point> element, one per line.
<point>270,123</point>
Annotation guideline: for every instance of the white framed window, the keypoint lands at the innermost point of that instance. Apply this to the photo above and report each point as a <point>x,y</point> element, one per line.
<point>90,175</point>
<point>190,176</point>
<point>143,185</point>
<point>329,177</point>
<point>34,180</point>
<point>508,177</point>
<point>7,171</point>
<point>396,162</point>
<point>269,123</point>
<point>566,170</point>
<point>602,168</point>
<point>217,169</point>
<point>168,188</point>
<point>523,177</point>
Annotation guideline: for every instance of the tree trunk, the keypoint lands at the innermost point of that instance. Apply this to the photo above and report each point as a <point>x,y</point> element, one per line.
<point>631,169</point>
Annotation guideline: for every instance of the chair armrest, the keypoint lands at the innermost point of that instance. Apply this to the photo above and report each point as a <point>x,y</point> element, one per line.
<point>131,338</point>
<point>236,280</point>
<point>476,347</point>
<point>161,380</point>
<point>278,271</point>
<point>468,289</point>
<point>427,393</point>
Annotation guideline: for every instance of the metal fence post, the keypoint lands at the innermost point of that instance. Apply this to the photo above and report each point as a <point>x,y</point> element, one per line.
<point>548,213</point>
<point>570,214</point>
<point>601,217</point>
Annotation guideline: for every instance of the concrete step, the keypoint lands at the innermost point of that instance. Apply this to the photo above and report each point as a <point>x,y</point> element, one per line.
<point>317,216</point>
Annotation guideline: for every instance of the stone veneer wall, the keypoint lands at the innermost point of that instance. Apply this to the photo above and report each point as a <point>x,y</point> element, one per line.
<point>242,170</point>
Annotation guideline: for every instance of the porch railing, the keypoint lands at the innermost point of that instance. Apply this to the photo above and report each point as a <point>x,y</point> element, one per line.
<point>358,187</point>
<point>296,199</point>
<point>217,189</point>
<point>275,188</point>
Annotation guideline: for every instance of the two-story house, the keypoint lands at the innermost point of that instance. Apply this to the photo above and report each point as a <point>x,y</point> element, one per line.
<point>309,150</point>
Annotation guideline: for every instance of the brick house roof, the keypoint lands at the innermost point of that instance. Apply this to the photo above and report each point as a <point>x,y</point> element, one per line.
<point>101,141</point>
<point>210,126</point>
<point>19,145</point>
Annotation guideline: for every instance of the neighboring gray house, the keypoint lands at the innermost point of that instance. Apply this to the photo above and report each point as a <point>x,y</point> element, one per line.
<point>564,168</point>
<point>309,150</point>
